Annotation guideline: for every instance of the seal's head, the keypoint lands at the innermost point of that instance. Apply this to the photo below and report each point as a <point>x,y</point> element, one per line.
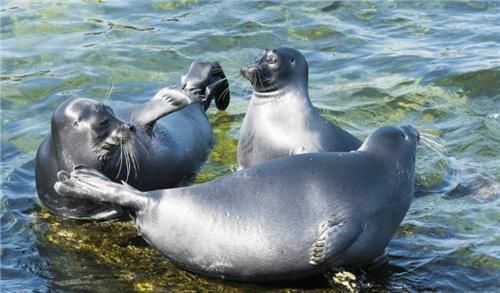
<point>398,143</point>
<point>86,132</point>
<point>275,69</point>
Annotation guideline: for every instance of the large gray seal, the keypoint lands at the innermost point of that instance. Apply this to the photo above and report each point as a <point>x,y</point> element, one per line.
<point>281,119</point>
<point>286,218</point>
<point>159,144</point>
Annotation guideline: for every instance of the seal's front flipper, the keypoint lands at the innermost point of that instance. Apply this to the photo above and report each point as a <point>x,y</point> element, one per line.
<point>90,184</point>
<point>334,237</point>
<point>218,89</point>
<point>166,101</point>
<point>209,78</point>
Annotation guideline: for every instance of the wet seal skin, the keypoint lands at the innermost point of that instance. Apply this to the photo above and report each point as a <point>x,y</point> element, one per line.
<point>155,145</point>
<point>281,120</point>
<point>210,77</point>
<point>283,219</point>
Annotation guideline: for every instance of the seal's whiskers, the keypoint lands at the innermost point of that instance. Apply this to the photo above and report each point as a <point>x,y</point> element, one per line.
<point>433,137</point>
<point>139,142</point>
<point>259,78</point>
<point>436,147</point>
<point>133,116</point>
<point>131,160</point>
<point>120,161</point>
<point>228,89</point>
<point>110,91</point>
<point>434,143</point>
<point>127,162</point>
<point>253,83</point>
<point>232,75</point>
<point>248,88</point>
<point>135,161</point>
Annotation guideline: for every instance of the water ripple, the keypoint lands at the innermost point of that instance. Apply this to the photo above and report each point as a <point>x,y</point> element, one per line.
<point>433,64</point>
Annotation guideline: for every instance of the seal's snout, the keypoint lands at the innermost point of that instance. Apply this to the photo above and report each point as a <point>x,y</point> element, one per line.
<point>125,131</point>
<point>129,127</point>
<point>122,134</point>
<point>249,70</point>
<point>412,130</point>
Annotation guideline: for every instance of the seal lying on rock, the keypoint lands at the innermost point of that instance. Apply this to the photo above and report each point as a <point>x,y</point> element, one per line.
<point>148,146</point>
<point>287,218</point>
<point>281,119</point>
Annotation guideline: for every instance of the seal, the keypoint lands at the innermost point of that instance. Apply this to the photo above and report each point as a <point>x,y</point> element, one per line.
<point>283,219</point>
<point>158,144</point>
<point>281,119</point>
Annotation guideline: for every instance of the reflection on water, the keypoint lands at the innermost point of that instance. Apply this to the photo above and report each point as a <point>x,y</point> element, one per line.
<point>433,64</point>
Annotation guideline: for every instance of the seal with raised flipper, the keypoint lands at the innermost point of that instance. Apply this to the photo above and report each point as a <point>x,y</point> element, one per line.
<point>156,145</point>
<point>283,219</point>
<point>281,119</point>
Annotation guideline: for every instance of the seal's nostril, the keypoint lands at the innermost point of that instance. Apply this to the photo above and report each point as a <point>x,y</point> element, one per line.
<point>128,127</point>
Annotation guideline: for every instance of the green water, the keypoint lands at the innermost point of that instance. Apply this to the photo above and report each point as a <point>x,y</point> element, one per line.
<point>432,64</point>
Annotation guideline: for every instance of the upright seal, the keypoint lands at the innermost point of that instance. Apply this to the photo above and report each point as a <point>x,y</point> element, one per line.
<point>281,119</point>
<point>148,146</point>
<point>287,218</point>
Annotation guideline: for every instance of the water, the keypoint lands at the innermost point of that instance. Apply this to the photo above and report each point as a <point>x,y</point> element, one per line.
<point>433,64</point>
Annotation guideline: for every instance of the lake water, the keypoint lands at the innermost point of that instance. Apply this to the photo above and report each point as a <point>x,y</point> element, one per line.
<point>432,64</point>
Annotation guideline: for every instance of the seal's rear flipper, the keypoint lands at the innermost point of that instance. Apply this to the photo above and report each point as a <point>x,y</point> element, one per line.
<point>90,184</point>
<point>209,78</point>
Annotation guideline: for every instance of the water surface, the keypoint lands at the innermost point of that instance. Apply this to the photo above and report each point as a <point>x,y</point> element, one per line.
<point>432,64</point>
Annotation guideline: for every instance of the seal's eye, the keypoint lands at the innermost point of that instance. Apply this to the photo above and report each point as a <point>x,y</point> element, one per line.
<point>403,135</point>
<point>104,123</point>
<point>292,61</point>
